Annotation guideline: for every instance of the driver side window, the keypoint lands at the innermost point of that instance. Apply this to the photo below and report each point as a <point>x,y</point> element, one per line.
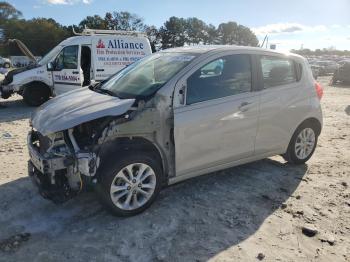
<point>222,77</point>
<point>67,58</point>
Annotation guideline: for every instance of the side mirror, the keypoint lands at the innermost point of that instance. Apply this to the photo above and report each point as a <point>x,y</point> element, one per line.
<point>50,66</point>
<point>182,95</point>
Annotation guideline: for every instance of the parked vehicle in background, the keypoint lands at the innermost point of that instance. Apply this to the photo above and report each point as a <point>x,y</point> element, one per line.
<point>78,61</point>
<point>326,67</point>
<point>342,74</point>
<point>5,62</point>
<point>165,119</point>
<point>315,70</point>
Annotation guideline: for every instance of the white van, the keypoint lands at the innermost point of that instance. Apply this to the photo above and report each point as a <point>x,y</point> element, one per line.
<point>78,61</point>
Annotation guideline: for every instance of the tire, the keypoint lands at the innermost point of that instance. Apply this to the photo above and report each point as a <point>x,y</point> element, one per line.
<point>294,153</point>
<point>7,65</point>
<point>36,94</point>
<point>110,174</point>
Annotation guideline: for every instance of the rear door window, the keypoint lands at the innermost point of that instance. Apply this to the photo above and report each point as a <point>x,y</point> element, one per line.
<point>277,71</point>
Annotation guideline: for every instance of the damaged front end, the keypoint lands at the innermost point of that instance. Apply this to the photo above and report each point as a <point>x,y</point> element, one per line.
<point>58,166</point>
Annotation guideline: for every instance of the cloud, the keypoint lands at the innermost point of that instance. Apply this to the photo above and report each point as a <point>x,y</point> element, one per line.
<point>68,2</point>
<point>283,28</point>
<point>335,26</point>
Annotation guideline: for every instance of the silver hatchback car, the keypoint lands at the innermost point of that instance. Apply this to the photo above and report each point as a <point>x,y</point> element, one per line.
<point>171,116</point>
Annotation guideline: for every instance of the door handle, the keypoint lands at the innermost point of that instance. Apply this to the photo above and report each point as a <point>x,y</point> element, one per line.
<point>243,105</point>
<point>100,70</point>
<point>75,72</point>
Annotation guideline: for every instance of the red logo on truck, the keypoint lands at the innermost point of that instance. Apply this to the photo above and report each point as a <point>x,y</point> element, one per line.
<point>100,44</point>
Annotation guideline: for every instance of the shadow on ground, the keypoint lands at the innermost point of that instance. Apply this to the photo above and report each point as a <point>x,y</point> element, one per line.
<point>191,221</point>
<point>12,110</point>
<point>347,110</point>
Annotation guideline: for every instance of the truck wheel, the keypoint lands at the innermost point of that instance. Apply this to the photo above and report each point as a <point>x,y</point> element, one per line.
<point>7,65</point>
<point>36,94</point>
<point>302,145</point>
<point>129,186</point>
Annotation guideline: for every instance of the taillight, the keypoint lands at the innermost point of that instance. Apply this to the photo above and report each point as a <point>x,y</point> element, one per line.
<point>319,90</point>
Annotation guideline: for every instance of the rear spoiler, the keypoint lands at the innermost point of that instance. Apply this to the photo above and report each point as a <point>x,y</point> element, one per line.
<point>23,48</point>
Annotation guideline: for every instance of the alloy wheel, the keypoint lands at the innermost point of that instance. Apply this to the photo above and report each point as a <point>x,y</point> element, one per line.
<point>133,186</point>
<point>305,143</point>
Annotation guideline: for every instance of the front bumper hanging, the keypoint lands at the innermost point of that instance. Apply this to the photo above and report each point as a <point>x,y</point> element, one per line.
<point>49,175</point>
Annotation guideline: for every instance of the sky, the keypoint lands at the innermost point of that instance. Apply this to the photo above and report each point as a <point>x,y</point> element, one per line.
<point>290,24</point>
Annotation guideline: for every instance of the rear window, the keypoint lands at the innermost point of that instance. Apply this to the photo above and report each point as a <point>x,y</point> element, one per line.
<point>278,71</point>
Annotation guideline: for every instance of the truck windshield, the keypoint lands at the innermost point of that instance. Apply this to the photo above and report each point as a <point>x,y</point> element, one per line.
<point>50,55</point>
<point>145,77</point>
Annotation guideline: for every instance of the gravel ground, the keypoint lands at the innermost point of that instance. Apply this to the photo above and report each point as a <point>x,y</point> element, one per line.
<point>267,210</point>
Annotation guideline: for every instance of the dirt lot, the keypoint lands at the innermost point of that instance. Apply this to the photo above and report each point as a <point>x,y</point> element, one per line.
<point>232,215</point>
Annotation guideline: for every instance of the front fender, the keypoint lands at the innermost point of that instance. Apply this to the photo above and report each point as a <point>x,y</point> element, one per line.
<point>24,78</point>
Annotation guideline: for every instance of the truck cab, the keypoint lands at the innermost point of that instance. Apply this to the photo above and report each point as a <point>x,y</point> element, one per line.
<point>78,61</point>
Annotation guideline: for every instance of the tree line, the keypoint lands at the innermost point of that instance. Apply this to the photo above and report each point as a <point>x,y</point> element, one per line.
<point>42,34</point>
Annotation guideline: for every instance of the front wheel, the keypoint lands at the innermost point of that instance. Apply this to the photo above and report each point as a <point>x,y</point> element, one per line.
<point>7,65</point>
<point>36,94</point>
<point>302,145</point>
<point>130,185</point>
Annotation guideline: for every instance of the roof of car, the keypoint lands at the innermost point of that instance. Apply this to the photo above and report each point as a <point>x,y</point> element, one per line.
<point>201,49</point>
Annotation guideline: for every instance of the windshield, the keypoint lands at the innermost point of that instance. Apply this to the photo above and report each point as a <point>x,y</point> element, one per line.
<point>50,55</point>
<point>145,77</point>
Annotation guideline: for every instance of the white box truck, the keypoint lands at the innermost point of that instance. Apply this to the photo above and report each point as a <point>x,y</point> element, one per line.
<point>82,60</point>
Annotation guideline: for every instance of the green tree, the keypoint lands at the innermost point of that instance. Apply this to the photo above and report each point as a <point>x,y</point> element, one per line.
<point>40,35</point>
<point>196,31</point>
<point>211,36</point>
<point>173,32</point>
<point>7,11</point>
<point>154,37</point>
<point>124,21</point>
<point>231,33</point>
<point>93,22</point>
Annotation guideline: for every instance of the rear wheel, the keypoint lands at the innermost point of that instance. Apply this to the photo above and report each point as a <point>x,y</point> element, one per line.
<point>7,65</point>
<point>36,94</point>
<point>302,145</point>
<point>130,185</point>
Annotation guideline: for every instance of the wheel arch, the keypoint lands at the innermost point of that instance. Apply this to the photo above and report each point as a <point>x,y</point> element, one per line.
<point>310,120</point>
<point>314,122</point>
<point>127,145</point>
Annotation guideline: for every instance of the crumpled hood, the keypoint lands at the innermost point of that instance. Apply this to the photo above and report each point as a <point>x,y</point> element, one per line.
<point>77,107</point>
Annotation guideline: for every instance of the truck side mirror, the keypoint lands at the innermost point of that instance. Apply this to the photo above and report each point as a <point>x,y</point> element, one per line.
<point>50,66</point>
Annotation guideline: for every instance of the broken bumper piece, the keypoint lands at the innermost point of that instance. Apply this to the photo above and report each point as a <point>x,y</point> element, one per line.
<point>50,175</point>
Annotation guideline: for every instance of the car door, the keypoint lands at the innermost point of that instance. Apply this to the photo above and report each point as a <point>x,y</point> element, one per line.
<point>67,74</point>
<point>217,122</point>
<point>282,102</point>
